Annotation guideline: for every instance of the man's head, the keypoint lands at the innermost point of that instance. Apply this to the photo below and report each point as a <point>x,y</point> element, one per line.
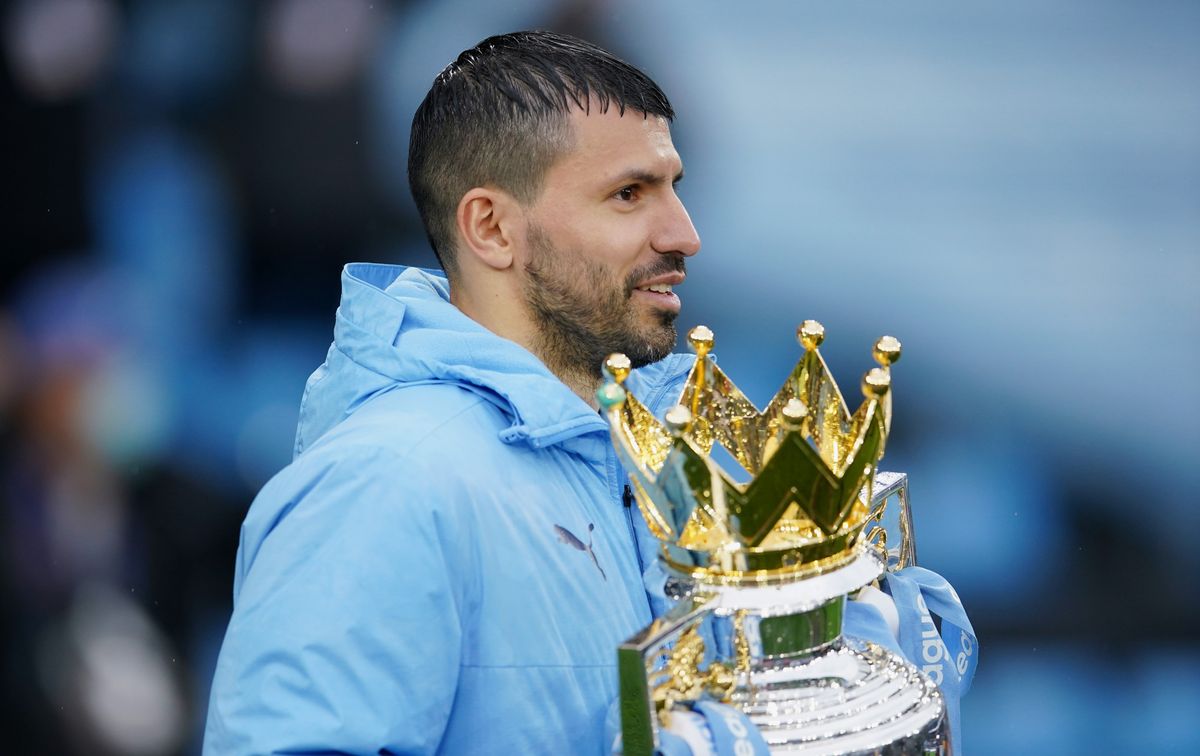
<point>544,172</point>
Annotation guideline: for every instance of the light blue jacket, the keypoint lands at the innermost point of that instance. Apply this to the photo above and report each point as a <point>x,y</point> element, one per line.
<point>447,565</point>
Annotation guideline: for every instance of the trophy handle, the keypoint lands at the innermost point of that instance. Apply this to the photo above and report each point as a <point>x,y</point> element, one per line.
<point>641,666</point>
<point>893,535</point>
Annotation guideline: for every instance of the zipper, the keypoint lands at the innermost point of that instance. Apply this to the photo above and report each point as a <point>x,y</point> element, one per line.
<point>615,470</point>
<point>627,502</point>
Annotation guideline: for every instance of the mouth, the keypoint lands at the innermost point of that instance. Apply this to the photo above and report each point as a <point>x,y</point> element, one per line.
<point>656,288</point>
<point>661,292</point>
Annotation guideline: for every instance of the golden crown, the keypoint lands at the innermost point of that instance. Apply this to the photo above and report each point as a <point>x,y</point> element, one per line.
<point>812,465</point>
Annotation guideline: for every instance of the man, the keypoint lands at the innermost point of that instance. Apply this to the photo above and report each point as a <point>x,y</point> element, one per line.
<point>448,565</point>
<point>451,560</point>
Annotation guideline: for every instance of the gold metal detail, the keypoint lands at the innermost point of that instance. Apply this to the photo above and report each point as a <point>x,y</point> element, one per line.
<point>812,465</point>
<point>876,383</point>
<point>887,350</point>
<point>677,420</point>
<point>617,367</point>
<point>811,334</point>
<point>686,681</point>
<point>701,340</point>
<point>741,644</point>
<point>876,538</point>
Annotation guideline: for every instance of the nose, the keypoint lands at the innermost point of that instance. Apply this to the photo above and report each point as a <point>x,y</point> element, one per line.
<point>676,234</point>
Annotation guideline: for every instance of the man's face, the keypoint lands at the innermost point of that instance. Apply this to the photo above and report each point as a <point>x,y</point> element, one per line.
<point>607,240</point>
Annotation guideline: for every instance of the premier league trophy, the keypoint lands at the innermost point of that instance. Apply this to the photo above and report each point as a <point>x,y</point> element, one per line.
<point>762,570</point>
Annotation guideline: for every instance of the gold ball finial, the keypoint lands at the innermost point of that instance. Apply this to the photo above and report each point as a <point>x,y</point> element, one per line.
<point>677,420</point>
<point>811,334</point>
<point>701,340</point>
<point>875,383</point>
<point>617,367</point>
<point>887,351</point>
<point>793,414</point>
<point>610,395</point>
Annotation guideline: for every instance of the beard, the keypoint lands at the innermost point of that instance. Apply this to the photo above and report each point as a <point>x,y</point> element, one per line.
<point>583,313</point>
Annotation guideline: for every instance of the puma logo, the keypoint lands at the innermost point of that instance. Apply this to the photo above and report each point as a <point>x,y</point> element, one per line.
<point>571,540</point>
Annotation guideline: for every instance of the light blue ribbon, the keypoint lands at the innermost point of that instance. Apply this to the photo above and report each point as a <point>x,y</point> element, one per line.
<point>670,744</point>
<point>949,658</point>
<point>732,732</point>
<point>865,622</point>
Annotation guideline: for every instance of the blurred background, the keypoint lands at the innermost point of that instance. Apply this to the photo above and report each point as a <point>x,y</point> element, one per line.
<point>1010,187</point>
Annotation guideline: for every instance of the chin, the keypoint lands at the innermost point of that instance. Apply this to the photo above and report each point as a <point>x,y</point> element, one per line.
<point>652,346</point>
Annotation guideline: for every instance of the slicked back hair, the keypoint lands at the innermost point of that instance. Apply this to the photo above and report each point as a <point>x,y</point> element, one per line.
<point>499,115</point>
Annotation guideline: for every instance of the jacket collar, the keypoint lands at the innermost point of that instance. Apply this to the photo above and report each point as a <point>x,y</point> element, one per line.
<point>399,324</point>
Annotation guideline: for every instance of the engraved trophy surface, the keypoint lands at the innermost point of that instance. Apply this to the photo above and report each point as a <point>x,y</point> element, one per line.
<point>762,570</point>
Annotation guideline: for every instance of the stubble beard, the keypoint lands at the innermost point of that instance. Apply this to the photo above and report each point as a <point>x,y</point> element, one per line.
<point>583,315</point>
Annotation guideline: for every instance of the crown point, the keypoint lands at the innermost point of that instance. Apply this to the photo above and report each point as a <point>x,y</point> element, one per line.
<point>876,383</point>
<point>794,413</point>
<point>811,334</point>
<point>677,420</point>
<point>617,367</point>
<point>610,395</point>
<point>887,350</point>
<point>701,340</point>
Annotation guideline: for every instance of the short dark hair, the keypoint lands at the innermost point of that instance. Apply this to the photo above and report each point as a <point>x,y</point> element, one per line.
<point>498,115</point>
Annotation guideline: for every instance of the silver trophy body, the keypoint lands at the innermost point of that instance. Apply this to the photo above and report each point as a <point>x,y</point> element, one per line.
<point>807,688</point>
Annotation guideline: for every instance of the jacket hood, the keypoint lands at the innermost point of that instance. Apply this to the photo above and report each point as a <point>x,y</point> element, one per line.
<point>395,325</point>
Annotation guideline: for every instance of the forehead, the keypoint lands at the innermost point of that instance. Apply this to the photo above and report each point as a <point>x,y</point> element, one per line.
<point>609,144</point>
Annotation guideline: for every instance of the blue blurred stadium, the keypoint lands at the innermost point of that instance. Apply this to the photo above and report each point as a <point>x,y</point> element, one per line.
<point>1012,188</point>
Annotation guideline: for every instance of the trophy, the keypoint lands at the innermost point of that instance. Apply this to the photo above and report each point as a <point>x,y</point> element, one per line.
<point>762,570</point>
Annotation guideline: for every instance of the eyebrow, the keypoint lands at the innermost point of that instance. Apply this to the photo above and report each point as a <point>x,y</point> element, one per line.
<point>642,176</point>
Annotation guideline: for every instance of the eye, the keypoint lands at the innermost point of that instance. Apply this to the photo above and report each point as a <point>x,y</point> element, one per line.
<point>627,193</point>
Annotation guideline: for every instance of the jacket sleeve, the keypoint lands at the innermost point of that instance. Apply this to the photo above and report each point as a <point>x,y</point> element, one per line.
<point>345,635</point>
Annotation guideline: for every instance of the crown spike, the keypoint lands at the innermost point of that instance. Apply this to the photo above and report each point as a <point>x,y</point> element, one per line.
<point>887,351</point>
<point>701,340</point>
<point>811,334</point>
<point>617,367</point>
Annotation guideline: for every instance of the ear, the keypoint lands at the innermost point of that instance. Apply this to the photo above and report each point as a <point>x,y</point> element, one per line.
<point>487,219</point>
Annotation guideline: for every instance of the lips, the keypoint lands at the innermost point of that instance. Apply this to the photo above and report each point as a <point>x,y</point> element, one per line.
<point>656,282</point>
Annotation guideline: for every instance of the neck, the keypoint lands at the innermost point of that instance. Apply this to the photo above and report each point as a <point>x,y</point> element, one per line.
<point>495,314</point>
<point>583,383</point>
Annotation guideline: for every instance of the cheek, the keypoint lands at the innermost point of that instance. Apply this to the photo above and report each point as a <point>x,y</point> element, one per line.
<point>620,242</point>
<point>616,240</point>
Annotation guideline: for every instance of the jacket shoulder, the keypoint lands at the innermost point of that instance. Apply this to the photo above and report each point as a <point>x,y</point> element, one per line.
<point>335,549</point>
<point>414,422</point>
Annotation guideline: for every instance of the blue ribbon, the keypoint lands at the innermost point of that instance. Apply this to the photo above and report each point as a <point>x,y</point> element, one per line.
<point>949,658</point>
<point>864,621</point>
<point>732,732</point>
